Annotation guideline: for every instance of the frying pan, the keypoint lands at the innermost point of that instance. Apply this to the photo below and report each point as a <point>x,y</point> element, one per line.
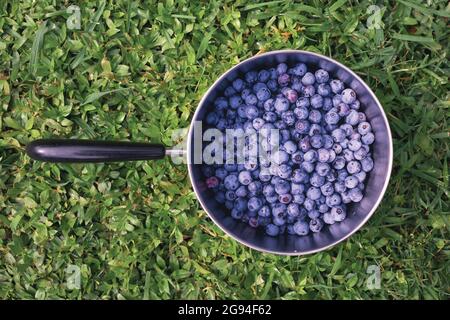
<point>67,150</point>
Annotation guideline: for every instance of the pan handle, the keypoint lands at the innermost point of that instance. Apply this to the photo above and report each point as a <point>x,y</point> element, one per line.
<point>69,150</point>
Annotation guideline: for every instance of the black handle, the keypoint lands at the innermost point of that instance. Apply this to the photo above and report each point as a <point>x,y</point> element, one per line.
<point>68,150</point>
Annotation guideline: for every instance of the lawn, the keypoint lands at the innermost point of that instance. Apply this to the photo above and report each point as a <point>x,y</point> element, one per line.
<point>136,70</point>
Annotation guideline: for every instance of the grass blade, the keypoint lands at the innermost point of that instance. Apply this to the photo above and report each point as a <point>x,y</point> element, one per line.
<point>36,47</point>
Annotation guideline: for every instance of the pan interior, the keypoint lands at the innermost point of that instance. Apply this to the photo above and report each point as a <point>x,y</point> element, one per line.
<point>358,213</point>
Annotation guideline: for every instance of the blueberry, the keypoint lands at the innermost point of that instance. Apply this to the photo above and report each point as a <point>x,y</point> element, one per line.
<point>279,222</point>
<point>255,187</point>
<point>327,104</point>
<point>327,141</point>
<point>272,230</point>
<point>254,204</point>
<point>310,156</point>
<point>354,145</point>
<point>351,182</point>
<point>245,92</point>
<point>302,126</point>
<point>268,190</point>
<point>307,166</point>
<point>299,69</point>
<point>339,163</point>
<point>345,197</point>
<point>339,186</point>
<point>236,213</point>
<point>291,95</point>
<point>362,117</point>
<point>364,128</point>
<point>336,100</point>
<point>331,117</point>
<point>282,187</point>
<point>315,116</point>
<point>288,117</point>
<point>212,182</point>
<point>327,189</point>
<point>285,198</point>
<point>355,195</point>
<point>221,104</point>
<point>265,175</point>
<point>251,99</point>
<point>337,148</point>
<point>251,112</point>
<point>304,144</point>
<point>323,89</point>
<point>336,86</point>
<point>317,181</point>
<point>338,135</point>
<point>297,157</point>
<point>343,109</point>
<point>367,164</point>
<point>313,193</point>
<point>270,116</point>
<point>303,102</point>
<point>238,85</point>
<point>352,118</point>
<point>361,176</point>
<point>323,208</point>
<point>300,176</point>
<point>269,105</point>
<point>316,101</point>
<point>333,200</point>
<point>264,211</point>
<point>280,157</point>
<point>348,155</point>
<point>281,104</point>
<point>231,182</point>
<point>297,188</point>
<point>308,79</point>
<point>272,199</point>
<point>322,169</point>
<point>235,102</point>
<point>240,203</point>
<point>338,213</point>
<point>368,138</point>
<point>283,79</point>
<point>314,214</point>
<point>263,75</point>
<point>212,118</point>
<point>279,210</point>
<point>221,173</point>
<point>245,177</point>
<point>262,94</point>
<point>309,91</point>
<point>290,147</point>
<point>348,96</point>
<point>284,171</point>
<point>327,218</point>
<point>241,191</point>
<point>342,174</point>
<point>251,76</point>
<point>272,85</point>
<point>315,225</point>
<point>354,166</point>
<point>298,199</point>
<point>281,68</point>
<point>229,92</point>
<point>323,155</point>
<point>355,105</point>
<point>315,129</point>
<point>258,123</point>
<point>301,228</point>
<point>309,204</point>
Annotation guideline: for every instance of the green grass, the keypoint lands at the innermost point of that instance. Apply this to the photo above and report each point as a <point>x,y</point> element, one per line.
<point>137,71</point>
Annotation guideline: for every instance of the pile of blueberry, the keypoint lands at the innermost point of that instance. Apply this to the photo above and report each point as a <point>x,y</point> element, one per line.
<point>323,159</point>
